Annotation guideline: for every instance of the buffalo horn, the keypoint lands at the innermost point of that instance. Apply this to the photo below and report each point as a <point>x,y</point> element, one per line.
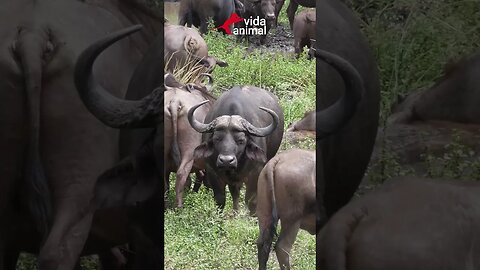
<point>334,117</point>
<point>197,125</point>
<point>210,81</point>
<point>113,111</point>
<point>265,131</point>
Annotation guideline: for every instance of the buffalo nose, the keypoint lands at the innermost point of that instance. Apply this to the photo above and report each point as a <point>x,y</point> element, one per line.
<point>270,16</point>
<point>226,161</point>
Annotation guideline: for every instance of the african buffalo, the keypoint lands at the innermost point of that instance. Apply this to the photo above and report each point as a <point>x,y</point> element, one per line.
<point>56,148</point>
<point>242,131</point>
<point>286,191</point>
<point>197,13</point>
<point>454,97</point>
<point>292,8</point>
<point>184,45</point>
<point>288,187</point>
<point>264,9</point>
<point>304,30</point>
<point>132,185</point>
<point>180,140</point>
<point>306,123</point>
<point>346,154</point>
<point>408,223</point>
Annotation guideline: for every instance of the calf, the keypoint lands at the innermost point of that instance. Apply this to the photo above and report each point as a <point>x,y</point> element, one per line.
<point>286,186</point>
<point>286,191</point>
<point>408,223</point>
<point>304,30</point>
<point>292,8</point>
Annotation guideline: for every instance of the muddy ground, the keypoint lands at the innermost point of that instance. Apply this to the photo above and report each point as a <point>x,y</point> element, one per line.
<point>279,39</point>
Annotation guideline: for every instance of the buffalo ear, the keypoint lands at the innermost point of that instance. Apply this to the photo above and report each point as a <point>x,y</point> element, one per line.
<point>171,81</point>
<point>222,63</point>
<point>204,150</point>
<point>254,152</point>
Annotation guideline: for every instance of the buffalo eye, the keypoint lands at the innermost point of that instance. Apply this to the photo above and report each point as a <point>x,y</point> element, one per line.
<point>217,138</point>
<point>240,141</point>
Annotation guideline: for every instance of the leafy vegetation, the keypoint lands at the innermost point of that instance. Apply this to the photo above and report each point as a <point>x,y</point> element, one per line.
<point>413,41</point>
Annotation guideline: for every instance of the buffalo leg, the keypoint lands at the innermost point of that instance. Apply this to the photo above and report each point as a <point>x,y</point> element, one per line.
<point>112,259</point>
<point>183,19</point>
<point>235,191</point>
<point>203,26</point>
<point>66,239</point>
<point>197,185</point>
<point>285,241</point>
<point>188,184</point>
<point>269,25</point>
<point>292,8</point>
<point>198,181</point>
<point>264,242</point>
<point>278,9</point>
<point>182,175</point>
<point>251,194</point>
<point>218,187</point>
<point>167,182</point>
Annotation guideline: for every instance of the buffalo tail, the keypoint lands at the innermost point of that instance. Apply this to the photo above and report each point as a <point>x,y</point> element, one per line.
<point>176,155</point>
<point>30,52</point>
<point>267,234</point>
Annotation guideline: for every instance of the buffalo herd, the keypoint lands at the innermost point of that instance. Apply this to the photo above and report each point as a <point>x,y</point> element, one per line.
<point>86,142</point>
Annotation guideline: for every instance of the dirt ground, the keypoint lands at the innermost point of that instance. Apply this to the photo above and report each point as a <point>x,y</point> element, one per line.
<point>279,39</point>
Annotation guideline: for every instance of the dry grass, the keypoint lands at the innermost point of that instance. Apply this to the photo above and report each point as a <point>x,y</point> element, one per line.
<point>188,71</point>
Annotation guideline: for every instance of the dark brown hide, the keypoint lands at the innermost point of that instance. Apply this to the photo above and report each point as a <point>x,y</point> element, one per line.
<point>455,97</point>
<point>306,123</point>
<point>408,223</point>
<point>232,146</point>
<point>286,192</point>
<point>287,183</point>
<point>304,30</point>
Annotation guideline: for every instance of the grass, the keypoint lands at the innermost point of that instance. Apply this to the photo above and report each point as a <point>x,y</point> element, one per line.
<point>200,237</point>
<point>292,80</point>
